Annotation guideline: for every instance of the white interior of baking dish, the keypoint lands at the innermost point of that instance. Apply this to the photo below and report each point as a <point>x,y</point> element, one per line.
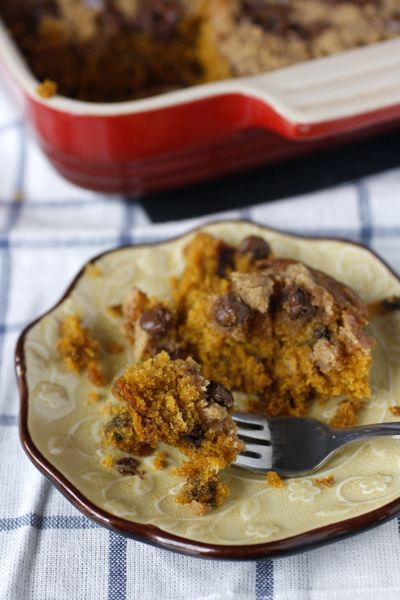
<point>344,85</point>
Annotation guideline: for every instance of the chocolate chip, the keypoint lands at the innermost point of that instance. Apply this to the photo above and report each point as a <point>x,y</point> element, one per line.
<point>225,260</point>
<point>321,331</point>
<point>203,492</point>
<point>128,466</point>
<point>256,246</point>
<point>392,303</point>
<point>167,345</point>
<point>219,393</point>
<point>297,302</point>
<point>156,321</point>
<point>159,17</point>
<point>195,437</point>
<point>230,311</point>
<point>274,19</point>
<point>119,423</point>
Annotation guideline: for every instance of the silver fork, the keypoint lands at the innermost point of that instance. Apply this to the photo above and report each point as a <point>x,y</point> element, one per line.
<point>296,446</point>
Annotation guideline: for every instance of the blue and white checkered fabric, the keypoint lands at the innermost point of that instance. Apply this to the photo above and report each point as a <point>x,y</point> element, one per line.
<point>48,550</point>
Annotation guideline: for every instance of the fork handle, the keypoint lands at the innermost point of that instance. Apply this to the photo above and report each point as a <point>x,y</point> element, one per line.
<point>355,434</point>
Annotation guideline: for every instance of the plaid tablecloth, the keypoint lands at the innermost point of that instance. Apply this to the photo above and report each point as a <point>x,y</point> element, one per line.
<point>48,550</point>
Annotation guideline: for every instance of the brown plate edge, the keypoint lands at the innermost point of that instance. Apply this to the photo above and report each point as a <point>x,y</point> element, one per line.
<point>153,535</point>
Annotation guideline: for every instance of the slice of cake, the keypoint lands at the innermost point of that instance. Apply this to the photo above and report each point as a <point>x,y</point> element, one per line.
<point>169,401</point>
<point>274,328</point>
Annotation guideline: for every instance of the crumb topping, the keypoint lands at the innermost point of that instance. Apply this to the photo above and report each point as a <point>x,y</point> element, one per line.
<point>326,481</point>
<point>346,413</point>
<point>274,480</point>
<point>47,89</point>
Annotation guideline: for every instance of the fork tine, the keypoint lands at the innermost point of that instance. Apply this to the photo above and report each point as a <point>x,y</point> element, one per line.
<point>253,456</point>
<point>249,419</point>
<point>252,427</point>
<point>254,434</point>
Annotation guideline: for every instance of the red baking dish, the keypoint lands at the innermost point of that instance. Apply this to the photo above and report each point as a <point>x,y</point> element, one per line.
<point>190,135</point>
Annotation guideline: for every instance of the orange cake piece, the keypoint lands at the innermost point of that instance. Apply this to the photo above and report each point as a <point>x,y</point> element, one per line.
<point>80,350</point>
<point>120,433</point>
<point>346,413</point>
<point>273,328</point>
<point>169,401</point>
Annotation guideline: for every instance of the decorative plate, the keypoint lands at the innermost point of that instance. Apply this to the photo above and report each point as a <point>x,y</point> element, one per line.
<point>61,428</point>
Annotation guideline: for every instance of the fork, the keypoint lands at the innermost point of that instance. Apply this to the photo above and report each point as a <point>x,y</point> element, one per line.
<point>296,446</point>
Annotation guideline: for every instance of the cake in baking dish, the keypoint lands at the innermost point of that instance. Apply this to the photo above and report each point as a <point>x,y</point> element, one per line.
<point>279,331</point>
<point>115,50</point>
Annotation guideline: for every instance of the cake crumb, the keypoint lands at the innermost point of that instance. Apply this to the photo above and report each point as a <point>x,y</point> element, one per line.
<point>93,270</point>
<point>327,481</point>
<point>120,433</point>
<point>395,410</point>
<point>109,460</point>
<point>346,413</point>
<point>115,348</point>
<point>79,350</point>
<point>107,409</point>
<point>115,311</point>
<point>274,480</point>
<point>95,374</point>
<point>93,397</point>
<point>159,462</point>
<point>47,89</point>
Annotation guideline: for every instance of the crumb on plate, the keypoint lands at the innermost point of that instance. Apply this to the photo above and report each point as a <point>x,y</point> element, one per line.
<point>93,270</point>
<point>346,413</point>
<point>47,89</point>
<point>79,350</point>
<point>109,460</point>
<point>326,481</point>
<point>274,480</point>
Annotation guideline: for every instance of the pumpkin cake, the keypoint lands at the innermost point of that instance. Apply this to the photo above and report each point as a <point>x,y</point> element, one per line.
<point>116,50</point>
<point>238,318</point>
<point>169,401</point>
<point>273,328</point>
